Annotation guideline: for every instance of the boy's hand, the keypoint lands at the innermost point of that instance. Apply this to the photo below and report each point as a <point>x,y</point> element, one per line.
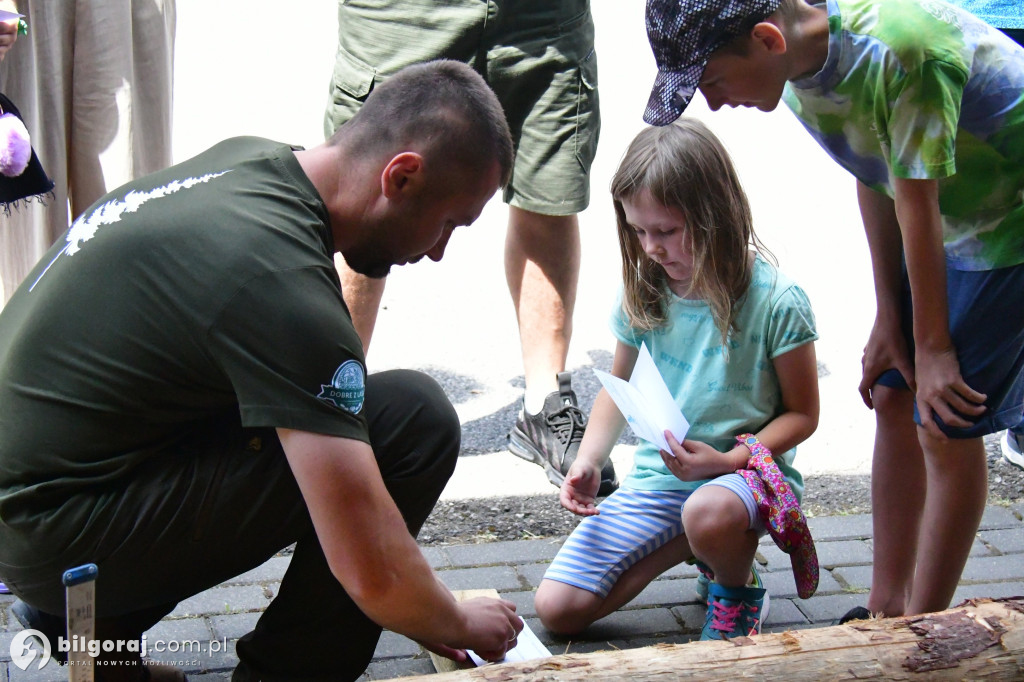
<point>886,349</point>
<point>694,460</point>
<point>579,489</point>
<point>942,391</point>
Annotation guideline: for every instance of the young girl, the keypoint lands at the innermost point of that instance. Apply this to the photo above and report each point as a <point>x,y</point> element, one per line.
<point>733,339</point>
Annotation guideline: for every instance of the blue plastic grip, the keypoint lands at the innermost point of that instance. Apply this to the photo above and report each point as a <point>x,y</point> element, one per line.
<point>80,574</point>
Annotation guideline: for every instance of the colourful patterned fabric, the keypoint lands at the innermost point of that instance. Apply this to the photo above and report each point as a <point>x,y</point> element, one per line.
<point>922,89</point>
<point>781,513</point>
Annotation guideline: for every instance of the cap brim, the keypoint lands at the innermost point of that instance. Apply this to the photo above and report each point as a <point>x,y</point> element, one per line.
<point>671,94</point>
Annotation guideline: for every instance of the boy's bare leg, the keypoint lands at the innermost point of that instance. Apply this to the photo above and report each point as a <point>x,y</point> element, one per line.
<point>362,295</point>
<point>897,500</point>
<point>542,267</point>
<point>957,491</point>
<point>567,609</point>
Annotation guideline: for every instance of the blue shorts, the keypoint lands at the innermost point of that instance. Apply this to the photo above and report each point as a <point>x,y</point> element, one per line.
<point>631,525</point>
<point>987,326</point>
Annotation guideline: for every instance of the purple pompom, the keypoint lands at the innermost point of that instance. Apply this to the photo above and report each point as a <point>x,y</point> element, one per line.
<point>15,148</point>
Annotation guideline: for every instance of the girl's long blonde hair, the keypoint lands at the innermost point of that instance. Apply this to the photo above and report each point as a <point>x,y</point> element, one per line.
<point>684,166</point>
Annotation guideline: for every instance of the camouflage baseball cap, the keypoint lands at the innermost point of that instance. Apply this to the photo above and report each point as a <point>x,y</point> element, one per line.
<point>683,34</point>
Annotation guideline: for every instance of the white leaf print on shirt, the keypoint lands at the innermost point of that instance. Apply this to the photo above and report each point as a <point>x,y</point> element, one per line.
<point>85,227</point>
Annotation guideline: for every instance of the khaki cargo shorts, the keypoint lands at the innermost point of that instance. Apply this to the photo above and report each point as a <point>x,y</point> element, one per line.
<point>537,55</point>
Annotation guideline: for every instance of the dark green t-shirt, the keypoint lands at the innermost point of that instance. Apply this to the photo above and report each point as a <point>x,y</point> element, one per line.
<point>204,290</point>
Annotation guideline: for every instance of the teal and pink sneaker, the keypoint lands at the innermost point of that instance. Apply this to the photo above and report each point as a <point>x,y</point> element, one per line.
<point>734,611</point>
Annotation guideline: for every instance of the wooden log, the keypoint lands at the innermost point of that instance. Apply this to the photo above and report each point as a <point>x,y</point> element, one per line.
<point>982,639</point>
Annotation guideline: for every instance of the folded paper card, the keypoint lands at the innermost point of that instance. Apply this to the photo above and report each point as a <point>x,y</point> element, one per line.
<point>528,647</point>
<point>646,402</point>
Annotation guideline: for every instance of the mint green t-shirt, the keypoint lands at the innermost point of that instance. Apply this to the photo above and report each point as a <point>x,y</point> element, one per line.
<point>722,394</point>
<point>921,89</point>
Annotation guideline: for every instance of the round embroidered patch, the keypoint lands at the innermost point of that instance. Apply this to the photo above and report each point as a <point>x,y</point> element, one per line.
<point>347,388</point>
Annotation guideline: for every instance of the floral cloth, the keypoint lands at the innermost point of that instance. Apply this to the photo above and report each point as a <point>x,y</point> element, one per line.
<point>779,509</point>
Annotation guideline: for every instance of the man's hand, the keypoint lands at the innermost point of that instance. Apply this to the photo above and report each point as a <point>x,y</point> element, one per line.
<point>694,460</point>
<point>579,489</point>
<point>942,391</point>
<point>495,622</point>
<point>886,349</point>
<point>457,655</point>
<point>493,626</point>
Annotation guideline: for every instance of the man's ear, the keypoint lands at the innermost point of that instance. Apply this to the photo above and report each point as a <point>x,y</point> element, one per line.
<point>768,35</point>
<point>403,174</point>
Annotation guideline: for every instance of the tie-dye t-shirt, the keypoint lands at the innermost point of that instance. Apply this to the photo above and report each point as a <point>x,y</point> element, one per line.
<point>921,89</point>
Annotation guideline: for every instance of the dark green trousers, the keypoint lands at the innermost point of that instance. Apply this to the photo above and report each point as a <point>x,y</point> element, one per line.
<point>225,502</point>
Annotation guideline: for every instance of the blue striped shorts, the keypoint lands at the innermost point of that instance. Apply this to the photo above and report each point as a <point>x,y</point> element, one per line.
<point>632,524</point>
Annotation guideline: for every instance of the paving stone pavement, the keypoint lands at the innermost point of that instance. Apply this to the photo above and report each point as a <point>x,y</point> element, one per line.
<point>201,632</point>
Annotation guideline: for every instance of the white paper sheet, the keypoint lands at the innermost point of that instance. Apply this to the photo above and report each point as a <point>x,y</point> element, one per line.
<point>528,648</point>
<point>646,402</point>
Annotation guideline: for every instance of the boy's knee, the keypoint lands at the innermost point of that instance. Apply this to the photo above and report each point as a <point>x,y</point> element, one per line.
<point>892,405</point>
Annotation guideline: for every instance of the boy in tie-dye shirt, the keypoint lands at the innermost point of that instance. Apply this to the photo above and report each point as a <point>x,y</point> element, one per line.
<point>924,104</point>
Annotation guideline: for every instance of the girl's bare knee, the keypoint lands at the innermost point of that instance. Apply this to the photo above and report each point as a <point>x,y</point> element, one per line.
<point>711,511</point>
<point>564,609</point>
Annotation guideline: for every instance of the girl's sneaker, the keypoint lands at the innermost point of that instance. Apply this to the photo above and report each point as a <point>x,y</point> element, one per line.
<point>734,612</point>
<point>705,576</point>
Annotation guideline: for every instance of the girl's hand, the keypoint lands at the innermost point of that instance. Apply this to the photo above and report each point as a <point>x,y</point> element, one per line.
<point>694,460</point>
<point>579,489</point>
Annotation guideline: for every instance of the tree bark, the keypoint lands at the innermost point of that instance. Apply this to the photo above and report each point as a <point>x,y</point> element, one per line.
<point>982,639</point>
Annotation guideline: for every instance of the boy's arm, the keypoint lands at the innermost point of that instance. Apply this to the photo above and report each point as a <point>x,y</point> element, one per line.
<point>940,389</point>
<point>604,427</point>
<point>886,348</point>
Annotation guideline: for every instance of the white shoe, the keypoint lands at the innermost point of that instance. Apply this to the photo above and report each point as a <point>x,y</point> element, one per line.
<point>1012,445</point>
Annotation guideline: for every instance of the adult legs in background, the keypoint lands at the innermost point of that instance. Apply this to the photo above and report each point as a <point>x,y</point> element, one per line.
<point>542,267</point>
<point>93,80</point>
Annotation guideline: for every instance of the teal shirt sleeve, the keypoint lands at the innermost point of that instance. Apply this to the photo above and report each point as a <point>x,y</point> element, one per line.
<point>792,324</point>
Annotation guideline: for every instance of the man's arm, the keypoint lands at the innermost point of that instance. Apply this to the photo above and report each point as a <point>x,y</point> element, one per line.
<point>371,553</point>
<point>940,388</point>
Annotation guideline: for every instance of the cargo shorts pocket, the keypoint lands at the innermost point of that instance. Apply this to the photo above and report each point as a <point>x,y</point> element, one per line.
<point>588,116</point>
<point>351,83</point>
